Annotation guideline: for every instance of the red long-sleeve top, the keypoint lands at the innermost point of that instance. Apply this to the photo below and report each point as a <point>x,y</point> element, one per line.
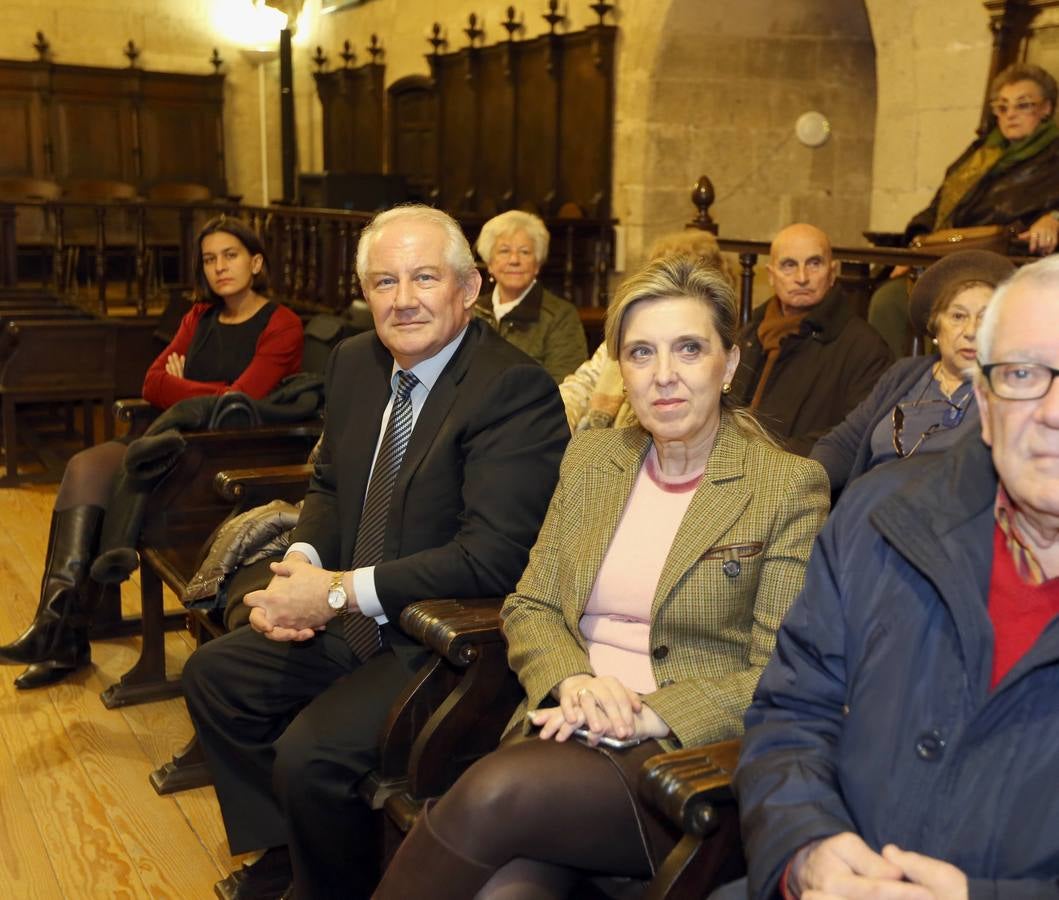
<point>278,353</point>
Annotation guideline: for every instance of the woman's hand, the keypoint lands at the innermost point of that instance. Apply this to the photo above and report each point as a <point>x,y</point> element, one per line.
<point>1042,235</point>
<point>603,705</point>
<point>650,725</point>
<point>174,365</point>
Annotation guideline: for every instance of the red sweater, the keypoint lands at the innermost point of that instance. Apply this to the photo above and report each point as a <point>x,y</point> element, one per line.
<point>278,354</point>
<point>1019,611</point>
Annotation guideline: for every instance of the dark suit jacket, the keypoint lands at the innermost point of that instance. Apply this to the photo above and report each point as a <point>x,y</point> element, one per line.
<point>475,481</point>
<point>823,370</point>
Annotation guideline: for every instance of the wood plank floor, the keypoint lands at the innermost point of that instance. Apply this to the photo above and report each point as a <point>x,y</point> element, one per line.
<point>78,817</point>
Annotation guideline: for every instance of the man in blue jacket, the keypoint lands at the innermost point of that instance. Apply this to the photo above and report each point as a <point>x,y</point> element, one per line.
<point>904,739</point>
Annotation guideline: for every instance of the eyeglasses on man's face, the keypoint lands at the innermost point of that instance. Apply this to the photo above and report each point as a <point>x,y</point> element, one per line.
<point>1022,107</point>
<point>1019,381</point>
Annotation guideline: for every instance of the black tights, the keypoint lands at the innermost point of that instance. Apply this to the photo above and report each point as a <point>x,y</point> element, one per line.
<point>89,476</point>
<point>540,811</point>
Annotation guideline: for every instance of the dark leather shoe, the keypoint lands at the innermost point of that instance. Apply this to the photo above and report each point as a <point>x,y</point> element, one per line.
<point>267,878</point>
<point>51,671</point>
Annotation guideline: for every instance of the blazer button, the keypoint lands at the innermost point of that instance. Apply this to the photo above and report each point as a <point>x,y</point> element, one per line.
<point>660,652</point>
<point>731,567</point>
<point>666,682</point>
<point>930,746</point>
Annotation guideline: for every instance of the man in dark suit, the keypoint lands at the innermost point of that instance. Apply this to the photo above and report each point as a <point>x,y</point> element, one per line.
<point>471,432</point>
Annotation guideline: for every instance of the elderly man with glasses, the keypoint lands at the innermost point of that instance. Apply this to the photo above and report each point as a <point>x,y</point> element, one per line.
<point>902,740</point>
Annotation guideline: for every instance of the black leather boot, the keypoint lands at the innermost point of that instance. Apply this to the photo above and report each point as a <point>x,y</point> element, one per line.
<point>267,878</point>
<point>57,641</point>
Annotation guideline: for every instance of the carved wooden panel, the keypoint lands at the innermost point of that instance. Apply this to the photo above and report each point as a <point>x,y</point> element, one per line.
<point>585,120</point>
<point>458,132</point>
<point>352,100</point>
<point>414,134</point>
<point>92,124</point>
<point>22,145</point>
<point>516,124</point>
<point>537,145</point>
<point>496,171</point>
<point>171,109</point>
<point>68,122</point>
<point>21,150</point>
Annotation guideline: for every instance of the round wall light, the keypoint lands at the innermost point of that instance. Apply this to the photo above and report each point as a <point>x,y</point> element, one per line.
<point>813,129</point>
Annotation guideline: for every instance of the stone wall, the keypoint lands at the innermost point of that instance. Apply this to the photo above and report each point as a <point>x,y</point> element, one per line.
<point>932,60</point>
<point>703,87</point>
<point>724,86</point>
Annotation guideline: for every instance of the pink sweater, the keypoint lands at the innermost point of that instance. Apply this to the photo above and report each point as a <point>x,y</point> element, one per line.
<point>617,620</point>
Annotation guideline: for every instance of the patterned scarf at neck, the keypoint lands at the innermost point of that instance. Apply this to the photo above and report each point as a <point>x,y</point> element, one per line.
<point>996,156</point>
<point>772,331</point>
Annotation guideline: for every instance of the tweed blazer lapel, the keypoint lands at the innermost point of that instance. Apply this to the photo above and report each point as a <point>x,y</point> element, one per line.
<point>719,501</point>
<point>608,483</point>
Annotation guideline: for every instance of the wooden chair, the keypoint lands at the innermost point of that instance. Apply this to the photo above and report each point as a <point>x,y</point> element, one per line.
<point>182,513</point>
<point>242,489</point>
<point>693,788</point>
<point>452,711</point>
<point>101,222</point>
<point>54,360</point>
<point>689,786</point>
<point>27,225</point>
<point>172,221</point>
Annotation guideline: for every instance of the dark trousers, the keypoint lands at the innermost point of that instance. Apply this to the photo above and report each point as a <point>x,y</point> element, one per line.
<point>288,731</point>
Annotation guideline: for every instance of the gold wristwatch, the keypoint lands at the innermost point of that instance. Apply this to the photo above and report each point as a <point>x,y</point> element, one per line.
<point>337,598</point>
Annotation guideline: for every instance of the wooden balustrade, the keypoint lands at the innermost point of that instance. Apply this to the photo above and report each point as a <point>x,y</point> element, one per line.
<point>312,251</point>
<point>856,271</point>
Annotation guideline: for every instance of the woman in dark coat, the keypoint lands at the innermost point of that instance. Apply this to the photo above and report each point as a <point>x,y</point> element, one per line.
<point>921,404</point>
<point>233,339</point>
<point>1008,177</point>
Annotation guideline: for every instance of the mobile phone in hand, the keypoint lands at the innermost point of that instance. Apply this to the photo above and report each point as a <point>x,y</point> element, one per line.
<point>607,741</point>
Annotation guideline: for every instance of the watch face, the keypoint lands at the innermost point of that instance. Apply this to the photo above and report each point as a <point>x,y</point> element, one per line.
<point>336,598</point>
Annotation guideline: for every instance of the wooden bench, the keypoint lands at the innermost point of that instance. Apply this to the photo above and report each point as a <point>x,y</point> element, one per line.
<point>57,360</point>
<point>242,489</point>
<point>182,513</point>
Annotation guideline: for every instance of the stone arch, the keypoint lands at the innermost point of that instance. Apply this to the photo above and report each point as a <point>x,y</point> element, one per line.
<point>715,88</point>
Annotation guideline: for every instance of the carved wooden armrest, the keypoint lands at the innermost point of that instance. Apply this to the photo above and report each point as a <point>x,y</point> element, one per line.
<point>253,487</point>
<point>686,785</point>
<point>136,412</point>
<point>454,629</point>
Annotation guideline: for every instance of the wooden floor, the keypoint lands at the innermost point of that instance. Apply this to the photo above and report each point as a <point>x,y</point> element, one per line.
<point>78,818</point>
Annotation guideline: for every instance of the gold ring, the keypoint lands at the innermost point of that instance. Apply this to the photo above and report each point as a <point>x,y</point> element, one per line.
<point>583,691</point>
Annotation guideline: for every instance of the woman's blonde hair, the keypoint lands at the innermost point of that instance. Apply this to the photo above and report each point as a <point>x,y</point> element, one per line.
<point>681,275</point>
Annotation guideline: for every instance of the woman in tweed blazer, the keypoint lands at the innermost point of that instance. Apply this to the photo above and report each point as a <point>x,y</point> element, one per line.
<point>707,587</point>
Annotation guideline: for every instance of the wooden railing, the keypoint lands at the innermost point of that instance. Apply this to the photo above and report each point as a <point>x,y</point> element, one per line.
<point>856,270</point>
<point>311,251</point>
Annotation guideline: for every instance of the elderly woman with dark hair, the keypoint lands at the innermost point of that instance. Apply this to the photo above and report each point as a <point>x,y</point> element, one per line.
<point>921,404</point>
<point>232,339</point>
<point>514,246</point>
<point>1008,177</point>
<point>669,555</point>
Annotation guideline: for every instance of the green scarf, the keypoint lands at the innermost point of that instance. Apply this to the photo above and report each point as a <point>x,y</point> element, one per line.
<point>994,155</point>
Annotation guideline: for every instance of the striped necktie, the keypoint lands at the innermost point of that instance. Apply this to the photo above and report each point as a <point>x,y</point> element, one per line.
<point>362,632</point>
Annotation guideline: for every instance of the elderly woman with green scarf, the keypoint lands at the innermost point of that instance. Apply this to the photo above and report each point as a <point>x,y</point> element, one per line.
<point>1008,177</point>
